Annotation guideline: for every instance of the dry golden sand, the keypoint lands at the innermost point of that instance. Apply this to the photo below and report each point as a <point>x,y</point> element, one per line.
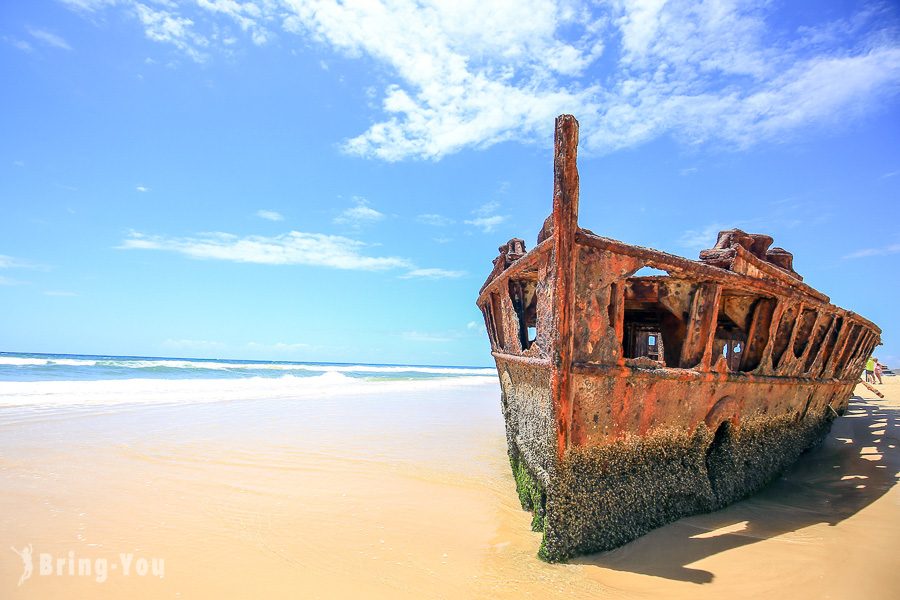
<point>405,497</point>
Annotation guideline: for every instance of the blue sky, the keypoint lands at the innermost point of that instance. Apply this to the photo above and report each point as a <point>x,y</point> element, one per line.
<point>330,182</point>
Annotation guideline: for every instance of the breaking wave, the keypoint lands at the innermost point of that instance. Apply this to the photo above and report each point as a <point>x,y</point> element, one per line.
<point>179,391</point>
<point>215,365</point>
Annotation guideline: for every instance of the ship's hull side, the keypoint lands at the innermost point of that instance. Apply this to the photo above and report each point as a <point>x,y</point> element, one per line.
<point>636,464</point>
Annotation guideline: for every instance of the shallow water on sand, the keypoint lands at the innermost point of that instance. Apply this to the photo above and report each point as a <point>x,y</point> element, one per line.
<point>403,491</point>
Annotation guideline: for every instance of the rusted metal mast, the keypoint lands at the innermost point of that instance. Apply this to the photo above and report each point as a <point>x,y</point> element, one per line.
<point>565,225</point>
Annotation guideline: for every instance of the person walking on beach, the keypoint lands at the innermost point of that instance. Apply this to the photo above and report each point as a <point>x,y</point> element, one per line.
<point>870,370</point>
<point>877,371</point>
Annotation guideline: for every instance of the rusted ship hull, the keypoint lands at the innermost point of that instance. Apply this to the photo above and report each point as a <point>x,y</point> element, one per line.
<point>631,401</point>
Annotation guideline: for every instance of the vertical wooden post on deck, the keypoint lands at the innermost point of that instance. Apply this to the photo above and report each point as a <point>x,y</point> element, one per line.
<point>565,225</point>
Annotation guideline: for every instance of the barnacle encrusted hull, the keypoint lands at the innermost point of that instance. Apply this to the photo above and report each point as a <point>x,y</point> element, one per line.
<point>603,497</point>
<point>631,401</point>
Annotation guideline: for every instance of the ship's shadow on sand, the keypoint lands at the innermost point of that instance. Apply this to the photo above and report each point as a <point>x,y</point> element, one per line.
<point>853,467</point>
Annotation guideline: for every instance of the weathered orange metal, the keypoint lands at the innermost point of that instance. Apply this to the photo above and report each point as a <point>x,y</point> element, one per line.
<point>632,400</point>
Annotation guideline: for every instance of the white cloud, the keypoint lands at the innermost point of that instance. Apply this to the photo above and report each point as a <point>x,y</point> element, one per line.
<point>169,27</point>
<point>247,15</point>
<point>142,188</point>
<point>358,215</point>
<point>434,220</point>
<point>485,219</point>
<point>89,5</point>
<point>486,224</point>
<point>473,73</point>
<point>476,326</point>
<point>701,239</point>
<point>10,262</point>
<point>270,215</point>
<point>426,337</point>
<point>294,248</point>
<point>432,274</point>
<point>49,39</point>
<point>487,209</point>
<point>60,293</point>
<point>17,43</point>
<point>869,252</point>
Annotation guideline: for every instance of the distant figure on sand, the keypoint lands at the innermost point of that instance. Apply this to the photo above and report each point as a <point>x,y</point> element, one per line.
<point>878,369</point>
<point>870,370</point>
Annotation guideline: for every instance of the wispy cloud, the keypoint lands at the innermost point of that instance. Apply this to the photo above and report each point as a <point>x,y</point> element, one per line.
<point>476,73</point>
<point>432,274</point>
<point>270,215</point>
<point>701,72</point>
<point>17,43</point>
<point>11,262</point>
<point>880,251</point>
<point>700,239</point>
<point>486,224</point>
<point>485,218</point>
<point>890,174</point>
<point>60,293</point>
<point>294,248</point>
<point>426,337</point>
<point>166,26</point>
<point>434,220</point>
<point>359,214</point>
<point>10,281</point>
<point>49,39</point>
<point>90,5</point>
<point>248,15</point>
<point>142,188</point>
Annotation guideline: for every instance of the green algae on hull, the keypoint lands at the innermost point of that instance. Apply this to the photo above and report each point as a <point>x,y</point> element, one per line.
<point>601,498</point>
<point>531,494</point>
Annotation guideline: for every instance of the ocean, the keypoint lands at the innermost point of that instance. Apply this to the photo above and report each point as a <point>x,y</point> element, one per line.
<point>27,378</point>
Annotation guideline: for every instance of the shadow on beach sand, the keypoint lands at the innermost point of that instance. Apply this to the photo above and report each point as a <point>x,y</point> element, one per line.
<point>855,465</point>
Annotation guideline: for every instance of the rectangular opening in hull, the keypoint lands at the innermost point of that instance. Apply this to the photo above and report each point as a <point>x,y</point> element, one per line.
<point>524,302</point>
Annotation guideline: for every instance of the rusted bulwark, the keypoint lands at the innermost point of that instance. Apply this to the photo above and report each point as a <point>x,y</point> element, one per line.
<point>631,401</point>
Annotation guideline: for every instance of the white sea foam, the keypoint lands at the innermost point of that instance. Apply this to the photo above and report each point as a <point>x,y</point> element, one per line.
<point>224,365</point>
<point>179,391</point>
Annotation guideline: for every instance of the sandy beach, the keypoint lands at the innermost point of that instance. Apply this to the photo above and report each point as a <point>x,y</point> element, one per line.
<point>403,493</point>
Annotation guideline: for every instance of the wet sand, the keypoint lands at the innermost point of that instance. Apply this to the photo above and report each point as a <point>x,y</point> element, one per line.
<point>405,495</point>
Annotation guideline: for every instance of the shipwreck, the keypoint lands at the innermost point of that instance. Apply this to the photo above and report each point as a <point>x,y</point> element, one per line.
<point>633,400</point>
